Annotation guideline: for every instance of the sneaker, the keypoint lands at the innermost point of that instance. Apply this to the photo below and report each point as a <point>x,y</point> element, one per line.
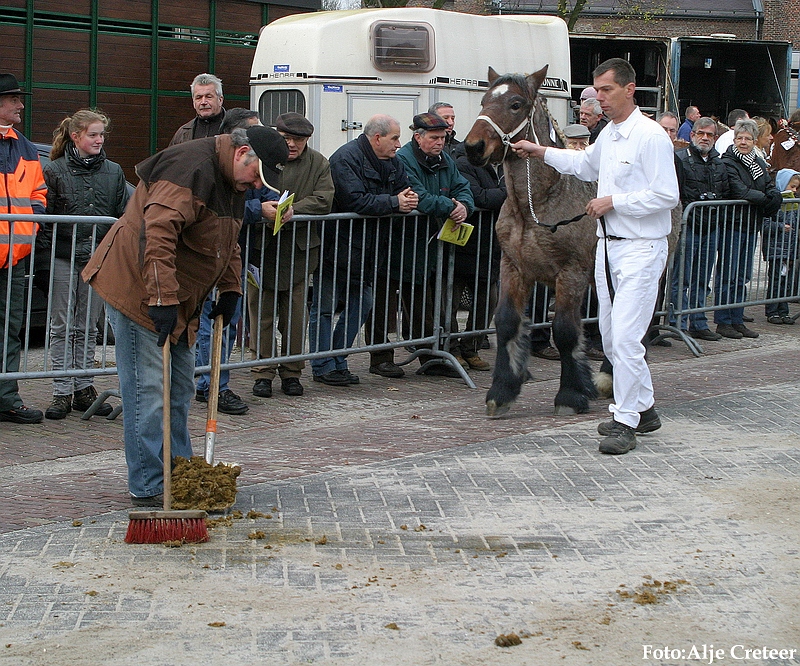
<point>387,369</point>
<point>648,422</point>
<point>788,320</point>
<point>59,408</point>
<point>83,399</point>
<point>705,334</point>
<point>746,332</point>
<point>200,396</point>
<point>333,378</point>
<point>728,331</point>
<point>549,353</point>
<point>153,500</point>
<point>477,363</point>
<point>291,386</point>
<point>622,438</point>
<point>22,414</point>
<point>263,388</point>
<point>230,403</point>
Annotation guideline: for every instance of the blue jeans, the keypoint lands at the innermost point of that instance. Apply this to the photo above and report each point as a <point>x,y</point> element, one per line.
<point>735,251</point>
<point>139,364</point>
<point>204,345</point>
<point>329,289</point>
<point>698,262</point>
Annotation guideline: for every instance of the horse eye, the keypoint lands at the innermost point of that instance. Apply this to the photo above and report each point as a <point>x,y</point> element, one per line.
<point>516,106</point>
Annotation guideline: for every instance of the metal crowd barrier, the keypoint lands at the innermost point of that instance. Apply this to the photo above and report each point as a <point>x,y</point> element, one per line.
<point>385,286</point>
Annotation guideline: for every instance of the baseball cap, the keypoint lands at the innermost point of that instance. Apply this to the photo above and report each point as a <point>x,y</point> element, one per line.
<point>272,152</point>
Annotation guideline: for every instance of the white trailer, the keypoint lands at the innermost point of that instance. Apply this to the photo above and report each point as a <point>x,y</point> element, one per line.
<point>339,68</point>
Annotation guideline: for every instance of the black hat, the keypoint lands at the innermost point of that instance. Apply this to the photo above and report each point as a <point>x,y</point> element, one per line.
<point>272,151</point>
<point>428,121</point>
<point>10,86</point>
<point>294,124</point>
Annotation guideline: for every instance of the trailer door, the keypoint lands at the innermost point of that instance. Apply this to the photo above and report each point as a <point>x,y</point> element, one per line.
<point>361,106</point>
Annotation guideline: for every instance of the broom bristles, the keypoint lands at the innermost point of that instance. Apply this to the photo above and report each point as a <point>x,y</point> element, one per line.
<point>149,527</point>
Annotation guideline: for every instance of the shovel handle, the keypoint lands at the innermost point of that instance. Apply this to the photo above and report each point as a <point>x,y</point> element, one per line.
<point>167,426</point>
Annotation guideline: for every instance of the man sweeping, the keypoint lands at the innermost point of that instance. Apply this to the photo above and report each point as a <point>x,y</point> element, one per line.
<point>176,240</point>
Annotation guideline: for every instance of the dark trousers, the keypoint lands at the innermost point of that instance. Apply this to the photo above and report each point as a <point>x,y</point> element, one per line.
<point>11,314</point>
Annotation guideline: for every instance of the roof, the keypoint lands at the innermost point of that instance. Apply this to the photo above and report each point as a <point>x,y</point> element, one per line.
<point>736,9</point>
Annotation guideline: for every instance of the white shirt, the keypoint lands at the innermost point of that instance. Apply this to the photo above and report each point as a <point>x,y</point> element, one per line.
<point>634,163</point>
<point>724,142</point>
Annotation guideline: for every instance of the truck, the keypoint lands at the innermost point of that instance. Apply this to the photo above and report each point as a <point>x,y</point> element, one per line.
<point>716,73</point>
<point>339,68</point>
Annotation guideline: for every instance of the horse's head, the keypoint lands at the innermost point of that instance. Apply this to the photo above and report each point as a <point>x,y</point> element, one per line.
<point>506,111</point>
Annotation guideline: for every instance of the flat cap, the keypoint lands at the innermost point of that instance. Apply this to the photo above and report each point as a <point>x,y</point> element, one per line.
<point>294,123</point>
<point>576,132</point>
<point>428,121</point>
<point>272,151</point>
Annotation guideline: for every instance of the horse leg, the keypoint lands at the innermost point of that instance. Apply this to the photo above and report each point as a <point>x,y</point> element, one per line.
<point>576,386</point>
<point>513,343</point>
<point>604,380</point>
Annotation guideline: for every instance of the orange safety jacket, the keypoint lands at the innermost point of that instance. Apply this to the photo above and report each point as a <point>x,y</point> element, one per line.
<point>22,191</point>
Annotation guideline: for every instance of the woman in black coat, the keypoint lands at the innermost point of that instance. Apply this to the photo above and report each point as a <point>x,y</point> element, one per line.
<point>738,228</point>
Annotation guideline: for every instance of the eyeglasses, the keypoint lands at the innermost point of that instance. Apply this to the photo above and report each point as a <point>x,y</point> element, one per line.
<point>711,135</point>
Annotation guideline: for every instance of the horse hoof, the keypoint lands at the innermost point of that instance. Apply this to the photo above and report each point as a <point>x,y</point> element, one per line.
<point>495,409</point>
<point>565,410</point>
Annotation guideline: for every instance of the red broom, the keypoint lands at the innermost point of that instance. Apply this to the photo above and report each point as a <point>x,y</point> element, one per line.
<point>167,525</point>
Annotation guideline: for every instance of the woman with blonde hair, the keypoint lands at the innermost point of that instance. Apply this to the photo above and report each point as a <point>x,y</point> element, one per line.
<point>80,181</point>
<point>763,142</point>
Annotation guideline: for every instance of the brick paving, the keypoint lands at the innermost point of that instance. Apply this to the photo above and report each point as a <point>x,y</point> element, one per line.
<point>399,502</point>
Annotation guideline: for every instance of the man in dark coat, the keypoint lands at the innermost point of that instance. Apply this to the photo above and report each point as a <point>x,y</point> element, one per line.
<point>207,101</point>
<point>369,181</point>
<point>702,176</point>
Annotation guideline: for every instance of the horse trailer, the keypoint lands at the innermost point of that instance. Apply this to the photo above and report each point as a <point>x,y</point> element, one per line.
<point>339,68</point>
<point>715,73</point>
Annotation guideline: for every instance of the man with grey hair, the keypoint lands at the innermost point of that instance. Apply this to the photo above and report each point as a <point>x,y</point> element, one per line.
<point>175,242</point>
<point>206,92</point>
<point>702,176</point>
<point>371,181</point>
<point>591,117</point>
<point>669,121</point>
<point>445,111</point>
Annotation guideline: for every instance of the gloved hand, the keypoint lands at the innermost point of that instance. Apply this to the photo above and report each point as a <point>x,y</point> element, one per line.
<point>165,318</point>
<point>225,306</point>
<point>41,279</point>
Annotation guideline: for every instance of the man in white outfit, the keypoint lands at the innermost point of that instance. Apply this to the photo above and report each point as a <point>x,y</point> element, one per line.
<point>633,163</point>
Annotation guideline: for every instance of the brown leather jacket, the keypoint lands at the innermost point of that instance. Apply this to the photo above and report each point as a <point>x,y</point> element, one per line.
<point>177,238</point>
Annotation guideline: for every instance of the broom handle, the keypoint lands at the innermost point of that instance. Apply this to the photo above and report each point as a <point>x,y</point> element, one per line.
<point>167,427</point>
<point>213,390</point>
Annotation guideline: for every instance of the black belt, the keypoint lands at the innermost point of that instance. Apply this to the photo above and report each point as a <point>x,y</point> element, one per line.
<point>615,237</point>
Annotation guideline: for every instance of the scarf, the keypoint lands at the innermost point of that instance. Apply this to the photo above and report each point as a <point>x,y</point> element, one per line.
<point>750,161</point>
<point>383,167</point>
<point>431,162</point>
<point>90,161</point>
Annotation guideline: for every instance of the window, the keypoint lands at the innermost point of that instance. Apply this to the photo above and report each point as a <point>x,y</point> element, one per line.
<point>275,102</point>
<point>403,47</point>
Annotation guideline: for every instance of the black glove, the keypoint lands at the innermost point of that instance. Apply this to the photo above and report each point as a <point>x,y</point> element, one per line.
<point>41,279</point>
<point>225,306</point>
<point>165,317</point>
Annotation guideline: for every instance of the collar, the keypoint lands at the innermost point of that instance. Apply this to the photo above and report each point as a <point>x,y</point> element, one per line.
<point>11,134</point>
<point>625,128</point>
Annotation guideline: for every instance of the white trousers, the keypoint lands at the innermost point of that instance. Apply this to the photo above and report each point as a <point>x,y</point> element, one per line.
<point>636,267</point>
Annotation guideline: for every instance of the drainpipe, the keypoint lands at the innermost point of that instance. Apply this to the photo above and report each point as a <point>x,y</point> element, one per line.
<point>758,7</point>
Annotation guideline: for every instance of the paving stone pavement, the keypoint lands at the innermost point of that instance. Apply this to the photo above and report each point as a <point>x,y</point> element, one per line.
<point>401,527</point>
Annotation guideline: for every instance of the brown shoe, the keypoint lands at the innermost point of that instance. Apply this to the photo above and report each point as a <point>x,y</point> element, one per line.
<point>462,362</point>
<point>477,363</point>
<point>746,332</point>
<point>549,353</point>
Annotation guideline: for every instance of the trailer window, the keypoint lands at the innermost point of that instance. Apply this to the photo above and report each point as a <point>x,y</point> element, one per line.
<point>275,102</point>
<point>403,46</point>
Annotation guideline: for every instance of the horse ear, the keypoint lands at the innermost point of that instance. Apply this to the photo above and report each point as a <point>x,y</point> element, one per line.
<point>492,76</point>
<point>537,78</point>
